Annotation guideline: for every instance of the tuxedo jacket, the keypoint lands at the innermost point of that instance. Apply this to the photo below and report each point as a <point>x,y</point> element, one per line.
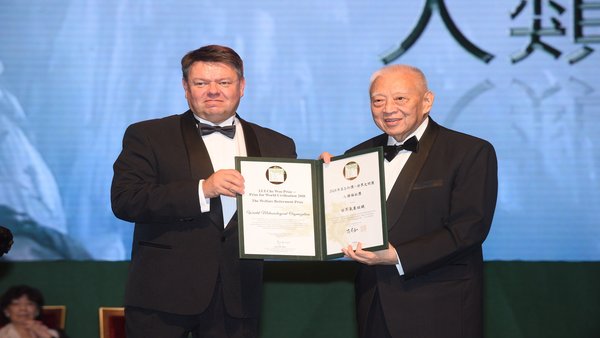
<point>178,252</point>
<point>439,213</point>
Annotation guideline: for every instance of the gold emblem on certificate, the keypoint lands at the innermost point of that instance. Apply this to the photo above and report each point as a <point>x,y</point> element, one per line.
<point>276,174</point>
<point>351,170</point>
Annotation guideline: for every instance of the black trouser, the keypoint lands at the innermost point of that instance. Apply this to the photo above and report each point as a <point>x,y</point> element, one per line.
<point>214,322</point>
<point>375,327</point>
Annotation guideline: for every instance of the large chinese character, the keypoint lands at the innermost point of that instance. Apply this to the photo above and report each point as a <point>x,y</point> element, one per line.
<point>578,29</point>
<point>430,5</point>
<point>536,31</point>
<point>465,100</point>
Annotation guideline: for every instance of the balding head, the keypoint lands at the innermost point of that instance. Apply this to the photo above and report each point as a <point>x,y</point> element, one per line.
<point>420,81</point>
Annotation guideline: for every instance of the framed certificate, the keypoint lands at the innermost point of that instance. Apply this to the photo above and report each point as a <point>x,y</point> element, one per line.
<point>308,210</point>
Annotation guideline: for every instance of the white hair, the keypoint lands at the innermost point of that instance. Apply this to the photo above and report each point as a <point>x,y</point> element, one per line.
<point>399,68</point>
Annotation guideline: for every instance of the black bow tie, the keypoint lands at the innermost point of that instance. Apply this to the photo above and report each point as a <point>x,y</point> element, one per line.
<point>206,129</point>
<point>389,152</point>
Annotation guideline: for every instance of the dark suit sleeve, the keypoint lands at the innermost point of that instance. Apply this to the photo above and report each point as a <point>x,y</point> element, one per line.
<point>283,147</point>
<point>466,223</point>
<point>137,193</point>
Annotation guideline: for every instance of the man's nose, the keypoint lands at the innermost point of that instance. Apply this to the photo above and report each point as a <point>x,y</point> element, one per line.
<point>213,88</point>
<point>389,107</point>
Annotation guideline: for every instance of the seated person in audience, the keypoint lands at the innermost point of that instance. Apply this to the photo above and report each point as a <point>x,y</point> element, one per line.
<point>21,307</point>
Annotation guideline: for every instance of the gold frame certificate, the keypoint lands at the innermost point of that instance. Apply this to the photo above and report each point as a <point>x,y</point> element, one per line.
<point>294,209</point>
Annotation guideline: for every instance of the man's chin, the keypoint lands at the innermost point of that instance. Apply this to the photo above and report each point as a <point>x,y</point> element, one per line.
<point>394,130</point>
<point>216,116</point>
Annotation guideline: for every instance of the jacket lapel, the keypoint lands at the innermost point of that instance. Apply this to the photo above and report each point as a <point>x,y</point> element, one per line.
<point>199,161</point>
<point>405,181</point>
<point>252,148</point>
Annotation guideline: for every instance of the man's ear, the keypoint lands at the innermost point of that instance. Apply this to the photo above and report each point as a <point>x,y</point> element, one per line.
<point>185,86</point>
<point>242,86</point>
<point>428,100</point>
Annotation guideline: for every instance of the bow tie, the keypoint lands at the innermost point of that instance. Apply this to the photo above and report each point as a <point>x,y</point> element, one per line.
<point>412,144</point>
<point>206,129</point>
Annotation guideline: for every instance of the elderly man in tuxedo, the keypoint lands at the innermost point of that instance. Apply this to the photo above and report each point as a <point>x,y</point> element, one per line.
<point>441,188</point>
<point>175,179</point>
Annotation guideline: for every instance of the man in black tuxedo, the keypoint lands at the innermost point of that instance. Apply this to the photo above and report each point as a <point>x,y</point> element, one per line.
<point>175,179</point>
<point>441,190</point>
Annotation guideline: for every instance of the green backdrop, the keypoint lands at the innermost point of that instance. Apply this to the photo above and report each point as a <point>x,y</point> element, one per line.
<point>316,299</point>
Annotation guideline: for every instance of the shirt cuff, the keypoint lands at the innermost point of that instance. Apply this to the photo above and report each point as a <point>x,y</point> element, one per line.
<point>204,202</point>
<point>399,266</point>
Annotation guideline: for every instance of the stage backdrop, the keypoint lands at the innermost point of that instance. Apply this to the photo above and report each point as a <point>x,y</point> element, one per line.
<point>524,75</point>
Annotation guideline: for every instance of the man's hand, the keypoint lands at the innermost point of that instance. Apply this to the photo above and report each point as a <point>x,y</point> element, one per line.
<point>382,257</point>
<point>227,182</point>
<point>325,156</point>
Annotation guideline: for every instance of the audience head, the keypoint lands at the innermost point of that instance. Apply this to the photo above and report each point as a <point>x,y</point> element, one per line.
<point>21,303</point>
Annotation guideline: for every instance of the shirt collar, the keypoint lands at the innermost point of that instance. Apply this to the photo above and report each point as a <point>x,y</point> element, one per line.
<point>229,122</point>
<point>418,133</point>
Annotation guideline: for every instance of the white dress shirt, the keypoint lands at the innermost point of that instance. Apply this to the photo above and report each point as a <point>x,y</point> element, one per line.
<point>392,169</point>
<point>222,151</point>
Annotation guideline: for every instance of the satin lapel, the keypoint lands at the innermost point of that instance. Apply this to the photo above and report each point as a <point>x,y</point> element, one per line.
<point>252,148</point>
<point>403,186</point>
<point>199,159</point>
